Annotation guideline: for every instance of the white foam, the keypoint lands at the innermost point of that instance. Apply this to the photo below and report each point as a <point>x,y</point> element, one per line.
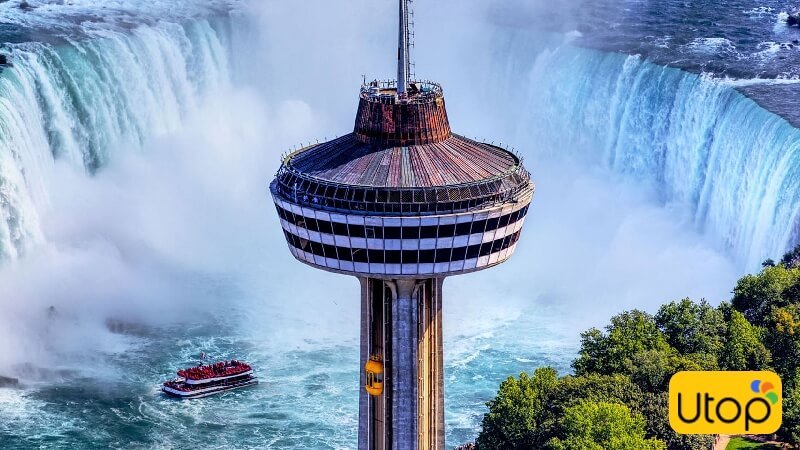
<point>86,15</point>
<point>742,82</point>
<point>759,11</point>
<point>711,45</point>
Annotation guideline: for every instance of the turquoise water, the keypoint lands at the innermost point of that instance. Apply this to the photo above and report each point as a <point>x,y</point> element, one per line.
<point>307,396</point>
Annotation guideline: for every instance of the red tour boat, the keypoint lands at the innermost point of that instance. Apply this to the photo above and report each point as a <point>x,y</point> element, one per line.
<point>205,380</point>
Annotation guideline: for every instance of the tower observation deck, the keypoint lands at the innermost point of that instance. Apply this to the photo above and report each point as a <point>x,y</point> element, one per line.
<point>402,202</point>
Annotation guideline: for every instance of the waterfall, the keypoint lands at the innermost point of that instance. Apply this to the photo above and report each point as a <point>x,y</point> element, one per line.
<point>700,144</point>
<point>80,100</point>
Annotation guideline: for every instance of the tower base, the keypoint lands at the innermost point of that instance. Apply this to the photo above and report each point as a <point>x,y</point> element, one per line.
<point>401,323</point>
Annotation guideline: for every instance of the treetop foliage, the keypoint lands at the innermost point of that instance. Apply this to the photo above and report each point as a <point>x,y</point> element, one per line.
<point>617,398</point>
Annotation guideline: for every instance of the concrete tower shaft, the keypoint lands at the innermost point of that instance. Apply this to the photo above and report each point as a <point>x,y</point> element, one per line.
<point>403,320</point>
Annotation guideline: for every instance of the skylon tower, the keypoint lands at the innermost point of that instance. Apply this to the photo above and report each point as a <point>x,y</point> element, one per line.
<point>402,202</point>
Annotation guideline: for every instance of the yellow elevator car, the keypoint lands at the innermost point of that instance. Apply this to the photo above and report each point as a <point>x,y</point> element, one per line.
<point>374,370</point>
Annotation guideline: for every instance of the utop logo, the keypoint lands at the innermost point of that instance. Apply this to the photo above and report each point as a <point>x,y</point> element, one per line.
<point>725,402</point>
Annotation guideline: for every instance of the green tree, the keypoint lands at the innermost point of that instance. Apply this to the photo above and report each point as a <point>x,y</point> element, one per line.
<point>655,409</point>
<point>790,429</point>
<point>651,370</point>
<point>692,327</point>
<point>628,334</point>
<point>743,349</point>
<point>572,390</point>
<point>603,426</point>
<point>516,415</point>
<point>756,295</point>
<point>529,411</point>
<point>783,339</point>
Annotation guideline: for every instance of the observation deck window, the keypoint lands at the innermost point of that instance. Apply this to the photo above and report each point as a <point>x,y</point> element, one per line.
<point>325,227</point>
<point>463,229</point>
<point>392,233</point>
<point>341,229</point>
<point>395,258</point>
<point>411,232</point>
<point>447,230</point>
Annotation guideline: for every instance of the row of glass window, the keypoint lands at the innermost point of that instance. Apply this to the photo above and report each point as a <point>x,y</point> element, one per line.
<point>400,201</point>
<point>402,256</point>
<point>416,232</point>
<point>295,183</point>
<point>399,208</point>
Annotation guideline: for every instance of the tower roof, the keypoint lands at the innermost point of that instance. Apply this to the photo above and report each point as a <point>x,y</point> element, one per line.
<point>447,176</point>
<point>453,161</point>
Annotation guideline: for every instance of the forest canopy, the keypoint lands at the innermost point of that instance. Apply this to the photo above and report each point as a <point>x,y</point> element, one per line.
<point>617,396</point>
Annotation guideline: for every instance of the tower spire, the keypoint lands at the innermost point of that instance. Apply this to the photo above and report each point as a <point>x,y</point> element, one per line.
<point>403,57</point>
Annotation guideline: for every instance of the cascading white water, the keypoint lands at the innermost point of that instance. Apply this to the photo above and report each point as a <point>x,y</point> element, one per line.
<point>699,143</point>
<point>77,100</point>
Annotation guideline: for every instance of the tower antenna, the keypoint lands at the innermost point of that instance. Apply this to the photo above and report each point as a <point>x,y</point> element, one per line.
<point>403,49</point>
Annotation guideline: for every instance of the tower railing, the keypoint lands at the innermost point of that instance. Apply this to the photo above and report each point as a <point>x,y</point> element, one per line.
<point>385,91</point>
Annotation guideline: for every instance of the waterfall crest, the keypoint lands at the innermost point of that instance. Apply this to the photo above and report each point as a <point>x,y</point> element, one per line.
<point>702,145</point>
<point>81,99</point>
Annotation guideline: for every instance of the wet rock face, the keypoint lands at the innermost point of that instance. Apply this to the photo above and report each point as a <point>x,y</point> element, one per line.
<point>794,19</point>
<point>118,326</point>
<point>8,382</point>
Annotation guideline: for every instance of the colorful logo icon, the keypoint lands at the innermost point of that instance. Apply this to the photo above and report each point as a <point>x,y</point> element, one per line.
<point>766,388</point>
<point>725,402</point>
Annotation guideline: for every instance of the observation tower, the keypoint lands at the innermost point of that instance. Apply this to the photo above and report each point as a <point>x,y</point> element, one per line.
<point>401,203</point>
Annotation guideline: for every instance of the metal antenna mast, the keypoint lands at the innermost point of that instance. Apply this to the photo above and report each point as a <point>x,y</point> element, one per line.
<point>403,48</point>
